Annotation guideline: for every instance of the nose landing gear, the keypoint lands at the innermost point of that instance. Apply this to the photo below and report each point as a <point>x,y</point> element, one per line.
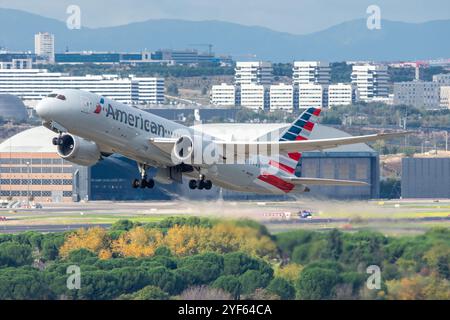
<point>57,141</point>
<point>200,184</point>
<point>143,182</point>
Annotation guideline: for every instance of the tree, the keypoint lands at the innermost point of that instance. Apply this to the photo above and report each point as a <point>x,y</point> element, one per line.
<point>138,242</point>
<point>14,255</point>
<point>281,288</point>
<point>334,244</point>
<point>289,272</point>
<point>93,239</point>
<point>253,279</point>
<point>230,284</point>
<point>204,268</point>
<point>316,283</point>
<point>236,263</point>
<point>82,256</point>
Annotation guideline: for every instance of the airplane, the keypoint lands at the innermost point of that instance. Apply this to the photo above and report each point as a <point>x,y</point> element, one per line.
<point>91,128</point>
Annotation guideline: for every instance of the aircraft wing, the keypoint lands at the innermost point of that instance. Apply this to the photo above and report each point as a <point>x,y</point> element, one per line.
<point>246,148</point>
<point>164,144</point>
<point>252,147</point>
<point>324,182</point>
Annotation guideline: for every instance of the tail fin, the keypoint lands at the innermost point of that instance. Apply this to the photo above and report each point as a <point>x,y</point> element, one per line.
<point>300,129</point>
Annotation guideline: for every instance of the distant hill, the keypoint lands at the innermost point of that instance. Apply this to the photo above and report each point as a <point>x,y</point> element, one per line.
<point>346,41</point>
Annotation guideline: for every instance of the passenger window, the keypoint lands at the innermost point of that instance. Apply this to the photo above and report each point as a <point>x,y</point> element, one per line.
<point>52,95</point>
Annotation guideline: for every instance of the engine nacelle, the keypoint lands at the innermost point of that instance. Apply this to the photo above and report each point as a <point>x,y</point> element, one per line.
<point>78,150</point>
<point>183,150</point>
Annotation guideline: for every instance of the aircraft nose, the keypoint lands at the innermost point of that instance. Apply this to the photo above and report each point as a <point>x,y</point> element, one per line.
<point>43,109</point>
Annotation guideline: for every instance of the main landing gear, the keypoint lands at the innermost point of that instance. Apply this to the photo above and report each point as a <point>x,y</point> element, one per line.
<point>200,184</point>
<point>143,182</point>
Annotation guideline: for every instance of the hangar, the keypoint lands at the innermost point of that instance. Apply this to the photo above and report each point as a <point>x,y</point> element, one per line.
<point>30,167</point>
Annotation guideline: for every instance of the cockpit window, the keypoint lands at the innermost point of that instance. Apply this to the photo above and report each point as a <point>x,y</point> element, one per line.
<point>52,95</point>
<point>61,97</point>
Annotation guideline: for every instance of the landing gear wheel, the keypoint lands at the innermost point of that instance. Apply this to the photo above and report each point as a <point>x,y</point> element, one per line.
<point>135,184</point>
<point>150,183</point>
<point>143,183</point>
<point>200,185</point>
<point>193,184</point>
<point>57,141</point>
<point>208,184</point>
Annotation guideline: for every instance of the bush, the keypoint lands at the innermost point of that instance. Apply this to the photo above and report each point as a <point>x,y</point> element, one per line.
<point>281,288</point>
<point>147,293</point>
<point>82,256</point>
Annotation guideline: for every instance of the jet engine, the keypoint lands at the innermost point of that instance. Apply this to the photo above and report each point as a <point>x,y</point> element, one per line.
<point>183,150</point>
<point>78,150</point>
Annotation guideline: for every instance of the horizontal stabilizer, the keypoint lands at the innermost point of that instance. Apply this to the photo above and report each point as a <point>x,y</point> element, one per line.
<point>324,182</point>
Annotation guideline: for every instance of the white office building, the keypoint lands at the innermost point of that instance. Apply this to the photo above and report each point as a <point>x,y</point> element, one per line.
<point>252,96</point>
<point>419,94</point>
<point>371,81</point>
<point>311,72</point>
<point>341,94</point>
<point>445,97</point>
<point>281,97</point>
<point>17,64</point>
<point>312,95</point>
<point>44,46</point>
<point>442,79</point>
<point>255,72</point>
<point>33,84</point>
<point>223,95</point>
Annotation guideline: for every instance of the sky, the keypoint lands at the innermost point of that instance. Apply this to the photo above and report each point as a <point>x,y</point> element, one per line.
<point>293,16</point>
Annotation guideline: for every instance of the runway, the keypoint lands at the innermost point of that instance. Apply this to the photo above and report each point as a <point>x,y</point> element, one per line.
<point>398,215</point>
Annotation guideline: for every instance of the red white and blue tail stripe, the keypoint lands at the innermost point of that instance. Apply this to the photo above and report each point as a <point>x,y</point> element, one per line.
<point>290,163</point>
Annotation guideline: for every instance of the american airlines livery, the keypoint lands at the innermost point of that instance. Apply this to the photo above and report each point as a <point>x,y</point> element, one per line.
<point>91,128</point>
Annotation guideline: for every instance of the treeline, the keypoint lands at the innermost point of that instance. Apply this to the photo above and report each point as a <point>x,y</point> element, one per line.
<point>196,258</point>
<point>148,70</point>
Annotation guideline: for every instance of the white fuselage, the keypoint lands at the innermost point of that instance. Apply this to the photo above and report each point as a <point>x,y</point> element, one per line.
<point>122,129</point>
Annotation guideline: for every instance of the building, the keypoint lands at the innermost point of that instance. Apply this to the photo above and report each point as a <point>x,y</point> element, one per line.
<point>17,64</point>
<point>12,108</point>
<point>341,94</point>
<point>223,95</point>
<point>442,79</point>
<point>312,95</point>
<point>426,178</point>
<point>445,97</point>
<point>254,72</point>
<point>33,84</point>
<point>44,46</point>
<point>105,57</point>
<point>371,81</point>
<point>30,168</point>
<point>281,97</point>
<point>16,60</point>
<point>419,94</point>
<point>311,72</point>
<point>253,96</point>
